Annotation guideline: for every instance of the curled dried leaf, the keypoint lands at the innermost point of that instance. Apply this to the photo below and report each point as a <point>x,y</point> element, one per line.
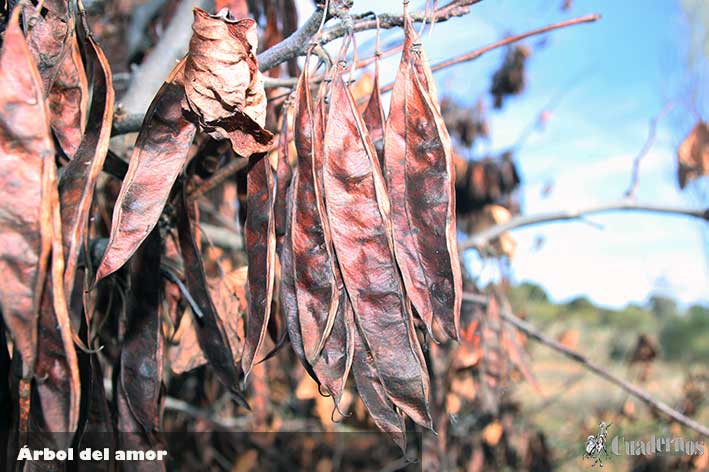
<point>693,154</point>
<point>223,86</point>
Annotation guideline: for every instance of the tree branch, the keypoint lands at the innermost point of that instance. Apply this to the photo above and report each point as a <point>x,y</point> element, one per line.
<point>651,135</point>
<point>293,45</point>
<point>470,56</point>
<point>387,20</point>
<point>484,237</point>
<point>147,79</point>
<point>633,390</point>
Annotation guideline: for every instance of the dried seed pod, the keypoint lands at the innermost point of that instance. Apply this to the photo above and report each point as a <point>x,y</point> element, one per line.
<point>55,405</point>
<point>159,155</point>
<point>316,288</point>
<point>77,184</point>
<point>47,31</point>
<point>26,152</point>
<point>373,116</point>
<point>260,237</point>
<point>212,334</point>
<point>358,212</point>
<point>372,392</point>
<point>141,360</point>
<point>68,99</point>
<point>421,181</point>
<point>284,176</point>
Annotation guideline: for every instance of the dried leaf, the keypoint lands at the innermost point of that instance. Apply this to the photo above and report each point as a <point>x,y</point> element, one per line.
<point>693,154</point>
<point>223,85</point>
<point>159,155</point>
<point>26,152</point>
<point>187,354</point>
<point>358,212</point>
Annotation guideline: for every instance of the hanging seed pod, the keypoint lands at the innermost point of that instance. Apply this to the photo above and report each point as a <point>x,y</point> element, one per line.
<point>421,181</point>
<point>316,289</point>
<point>358,212</point>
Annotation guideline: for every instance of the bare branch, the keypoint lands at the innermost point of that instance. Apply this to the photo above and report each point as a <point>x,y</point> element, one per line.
<point>387,20</point>
<point>651,135</point>
<point>293,45</point>
<point>633,390</point>
<point>484,237</point>
<point>147,79</point>
<point>219,177</point>
<point>470,56</point>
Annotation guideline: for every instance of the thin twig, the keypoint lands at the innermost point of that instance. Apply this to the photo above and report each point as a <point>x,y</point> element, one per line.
<point>482,238</point>
<point>470,56</point>
<point>387,20</point>
<point>649,142</point>
<point>219,177</point>
<point>633,390</point>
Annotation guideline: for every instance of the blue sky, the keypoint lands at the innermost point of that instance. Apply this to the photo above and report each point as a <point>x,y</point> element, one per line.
<point>616,75</point>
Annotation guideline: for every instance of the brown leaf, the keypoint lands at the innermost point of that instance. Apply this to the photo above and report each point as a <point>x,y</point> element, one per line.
<point>693,154</point>
<point>187,354</point>
<point>421,181</point>
<point>223,85</point>
<point>159,155</point>
<point>358,212</point>
<point>78,182</point>
<point>68,99</point>
<point>26,152</point>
